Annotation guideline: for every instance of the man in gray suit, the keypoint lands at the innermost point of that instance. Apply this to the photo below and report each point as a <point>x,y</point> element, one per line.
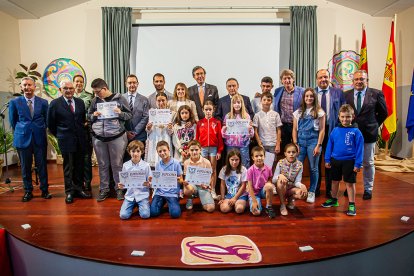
<point>202,91</point>
<point>139,106</point>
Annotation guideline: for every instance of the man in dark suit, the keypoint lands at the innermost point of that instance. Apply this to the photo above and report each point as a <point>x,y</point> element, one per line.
<point>286,100</point>
<point>224,103</point>
<point>66,121</point>
<point>202,91</point>
<point>139,106</point>
<point>330,99</point>
<point>370,112</point>
<point>27,115</point>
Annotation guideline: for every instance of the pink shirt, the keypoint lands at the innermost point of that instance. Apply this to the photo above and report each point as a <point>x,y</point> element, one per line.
<point>258,177</point>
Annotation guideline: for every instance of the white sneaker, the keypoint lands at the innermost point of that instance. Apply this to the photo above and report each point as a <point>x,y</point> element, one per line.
<point>214,195</point>
<point>311,197</point>
<point>291,204</point>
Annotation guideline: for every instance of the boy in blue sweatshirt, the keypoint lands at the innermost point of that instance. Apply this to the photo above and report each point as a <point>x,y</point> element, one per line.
<point>344,154</point>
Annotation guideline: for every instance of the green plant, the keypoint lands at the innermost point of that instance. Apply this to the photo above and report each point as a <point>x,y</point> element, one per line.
<point>53,141</point>
<point>9,140</point>
<point>381,143</point>
<point>29,71</point>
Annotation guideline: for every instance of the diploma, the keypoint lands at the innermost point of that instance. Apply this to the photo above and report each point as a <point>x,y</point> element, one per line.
<point>107,110</point>
<point>269,159</point>
<point>160,116</point>
<point>198,176</point>
<point>133,179</point>
<point>164,179</point>
<point>237,126</point>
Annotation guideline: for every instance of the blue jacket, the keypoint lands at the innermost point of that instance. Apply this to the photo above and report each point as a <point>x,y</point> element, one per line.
<point>345,143</point>
<point>24,126</point>
<point>297,97</point>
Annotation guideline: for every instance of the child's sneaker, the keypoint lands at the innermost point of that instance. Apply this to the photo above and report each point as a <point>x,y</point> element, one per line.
<point>270,212</point>
<point>214,195</point>
<point>181,193</point>
<point>283,210</point>
<point>291,204</point>
<point>330,203</point>
<point>189,204</point>
<point>351,210</point>
<point>311,197</point>
<point>274,190</point>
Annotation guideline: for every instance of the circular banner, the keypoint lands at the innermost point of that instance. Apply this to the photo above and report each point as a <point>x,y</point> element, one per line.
<point>59,70</point>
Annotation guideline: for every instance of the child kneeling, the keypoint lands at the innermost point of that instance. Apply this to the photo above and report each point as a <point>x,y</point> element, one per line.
<point>169,195</point>
<point>288,177</point>
<point>136,196</point>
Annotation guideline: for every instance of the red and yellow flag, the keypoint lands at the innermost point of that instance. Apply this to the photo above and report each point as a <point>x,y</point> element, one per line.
<point>389,88</point>
<point>363,57</point>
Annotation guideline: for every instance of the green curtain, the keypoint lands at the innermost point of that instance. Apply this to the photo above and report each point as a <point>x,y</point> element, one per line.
<point>303,44</point>
<point>116,29</point>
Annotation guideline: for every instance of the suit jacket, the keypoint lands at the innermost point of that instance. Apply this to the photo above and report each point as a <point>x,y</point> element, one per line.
<point>211,94</point>
<point>140,116</point>
<point>24,126</point>
<point>68,127</point>
<point>373,113</point>
<point>224,107</point>
<point>337,99</point>
<point>297,97</point>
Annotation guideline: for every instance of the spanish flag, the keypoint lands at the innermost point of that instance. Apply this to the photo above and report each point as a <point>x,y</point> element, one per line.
<point>389,88</point>
<point>363,57</point>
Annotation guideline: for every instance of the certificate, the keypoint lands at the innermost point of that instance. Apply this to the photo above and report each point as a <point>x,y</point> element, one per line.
<point>107,110</point>
<point>198,176</point>
<point>237,126</point>
<point>160,116</point>
<point>133,179</point>
<point>269,159</point>
<point>164,179</point>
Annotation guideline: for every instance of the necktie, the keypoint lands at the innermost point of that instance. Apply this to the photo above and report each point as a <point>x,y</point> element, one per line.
<point>323,100</point>
<point>359,101</point>
<point>29,104</point>
<point>131,104</point>
<point>201,95</point>
<point>71,106</point>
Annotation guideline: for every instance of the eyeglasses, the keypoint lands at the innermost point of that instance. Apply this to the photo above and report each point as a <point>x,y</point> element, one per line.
<point>360,79</point>
<point>97,91</point>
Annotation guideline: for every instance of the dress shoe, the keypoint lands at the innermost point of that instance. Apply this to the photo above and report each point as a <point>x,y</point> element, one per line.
<point>367,195</point>
<point>46,195</point>
<point>69,199</point>
<point>27,197</point>
<point>83,194</point>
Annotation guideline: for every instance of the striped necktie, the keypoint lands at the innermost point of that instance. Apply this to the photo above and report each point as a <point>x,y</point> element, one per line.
<point>30,105</point>
<point>131,104</point>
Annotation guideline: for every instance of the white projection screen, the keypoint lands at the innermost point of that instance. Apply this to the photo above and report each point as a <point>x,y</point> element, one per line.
<point>244,52</point>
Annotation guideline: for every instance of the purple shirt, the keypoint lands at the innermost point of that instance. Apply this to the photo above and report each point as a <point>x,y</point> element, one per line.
<point>286,107</point>
<point>258,177</point>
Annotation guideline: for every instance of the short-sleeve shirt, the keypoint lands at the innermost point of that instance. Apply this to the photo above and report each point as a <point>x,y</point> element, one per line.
<point>258,177</point>
<point>234,180</point>
<point>172,166</point>
<point>267,124</point>
<point>137,193</point>
<point>297,116</point>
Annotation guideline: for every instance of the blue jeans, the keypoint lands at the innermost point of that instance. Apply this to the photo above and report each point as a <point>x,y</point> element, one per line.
<point>159,201</point>
<point>128,206</point>
<point>369,169</point>
<point>245,155</point>
<point>306,149</point>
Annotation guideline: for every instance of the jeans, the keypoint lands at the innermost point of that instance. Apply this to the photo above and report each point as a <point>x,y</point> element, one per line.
<point>159,201</point>
<point>306,149</point>
<point>245,155</point>
<point>369,168</point>
<point>128,206</point>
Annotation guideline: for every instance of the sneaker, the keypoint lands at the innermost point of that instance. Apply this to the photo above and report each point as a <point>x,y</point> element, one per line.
<point>269,211</point>
<point>214,195</point>
<point>311,197</point>
<point>351,210</point>
<point>367,195</point>
<point>181,193</point>
<point>189,204</point>
<point>274,190</point>
<point>102,196</point>
<point>283,210</point>
<point>120,194</point>
<point>330,203</point>
<point>291,204</point>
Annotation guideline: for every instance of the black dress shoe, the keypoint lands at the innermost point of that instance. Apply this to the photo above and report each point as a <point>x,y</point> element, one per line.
<point>46,195</point>
<point>69,199</point>
<point>27,197</point>
<point>83,194</point>
<point>367,195</point>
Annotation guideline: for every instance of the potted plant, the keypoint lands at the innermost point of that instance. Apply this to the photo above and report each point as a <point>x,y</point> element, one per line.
<point>54,143</point>
<point>381,144</point>
<point>6,144</point>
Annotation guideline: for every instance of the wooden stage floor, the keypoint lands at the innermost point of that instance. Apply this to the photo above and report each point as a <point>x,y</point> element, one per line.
<point>91,230</point>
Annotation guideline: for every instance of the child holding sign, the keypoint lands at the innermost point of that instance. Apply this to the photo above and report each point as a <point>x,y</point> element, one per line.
<point>169,195</point>
<point>136,196</point>
<point>192,187</point>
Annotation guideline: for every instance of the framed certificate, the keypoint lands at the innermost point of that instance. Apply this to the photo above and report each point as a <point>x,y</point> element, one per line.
<point>237,126</point>
<point>133,179</point>
<point>160,116</point>
<point>107,110</point>
<point>198,176</point>
<point>164,179</point>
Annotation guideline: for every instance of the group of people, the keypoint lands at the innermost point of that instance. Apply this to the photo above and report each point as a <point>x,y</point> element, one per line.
<point>293,123</point>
